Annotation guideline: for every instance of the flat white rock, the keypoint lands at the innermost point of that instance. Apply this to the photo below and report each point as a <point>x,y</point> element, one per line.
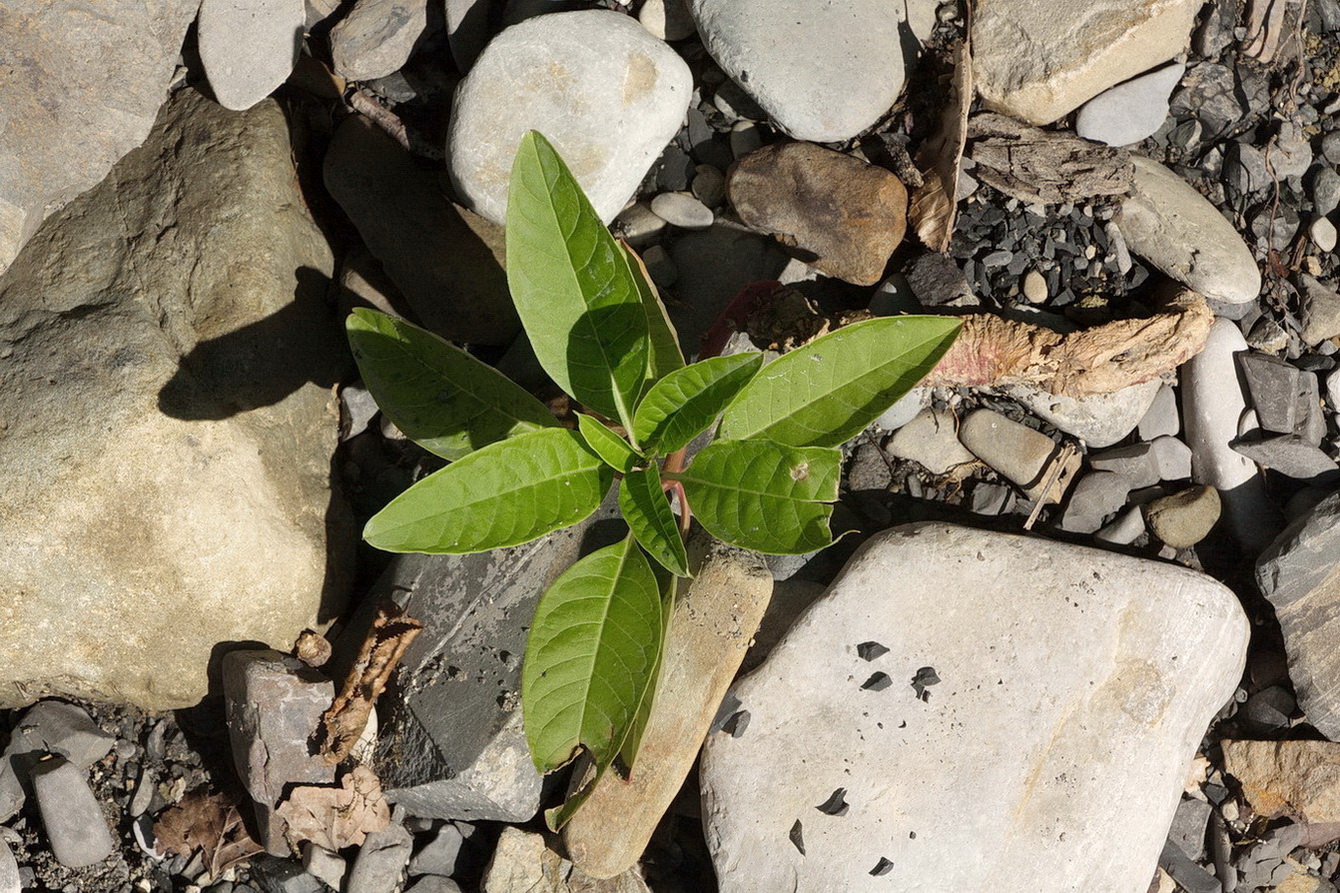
<point>249,47</point>
<point>1129,112</point>
<point>1100,420</point>
<point>1039,59</point>
<point>1212,404</point>
<point>1066,673</point>
<point>823,71</point>
<point>607,94</point>
<point>1176,229</point>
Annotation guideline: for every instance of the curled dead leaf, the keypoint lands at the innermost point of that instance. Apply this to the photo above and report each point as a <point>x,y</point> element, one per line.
<point>335,818</point>
<point>934,205</point>
<point>208,822</point>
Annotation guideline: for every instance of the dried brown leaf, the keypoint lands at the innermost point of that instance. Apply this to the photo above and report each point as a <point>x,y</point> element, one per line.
<point>381,651</point>
<point>209,822</point>
<point>1043,166</point>
<point>335,818</point>
<point>934,204</point>
<point>312,648</point>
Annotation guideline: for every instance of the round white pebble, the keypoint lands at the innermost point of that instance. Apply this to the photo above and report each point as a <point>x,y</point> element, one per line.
<point>1035,287</point>
<point>683,211</point>
<point>1323,234</point>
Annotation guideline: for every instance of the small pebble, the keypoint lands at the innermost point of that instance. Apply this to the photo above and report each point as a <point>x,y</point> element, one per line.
<point>660,267</point>
<point>683,211</point>
<point>71,814</point>
<point>709,185</point>
<point>1323,234</point>
<point>745,137</point>
<point>1035,287</point>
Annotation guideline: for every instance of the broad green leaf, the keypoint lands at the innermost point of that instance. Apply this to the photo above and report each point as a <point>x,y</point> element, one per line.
<point>507,493</point>
<point>764,496</point>
<point>668,585</point>
<point>572,285</point>
<point>441,397</point>
<point>607,445</point>
<point>590,655</point>
<point>647,510</point>
<point>826,392</point>
<point>681,405</point>
<point>666,356</point>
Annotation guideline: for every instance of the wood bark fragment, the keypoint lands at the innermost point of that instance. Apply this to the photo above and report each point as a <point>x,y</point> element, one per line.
<point>1044,167</point>
<point>934,205</point>
<point>381,651</point>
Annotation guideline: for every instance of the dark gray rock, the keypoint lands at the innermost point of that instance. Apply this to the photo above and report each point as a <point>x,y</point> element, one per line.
<point>1291,456</point>
<point>1137,462</point>
<point>274,875</point>
<point>49,727</point>
<point>274,705</point>
<point>1274,385</point>
<point>1190,877</point>
<point>1096,495</point>
<point>452,745</point>
<point>433,883</point>
<point>439,854</point>
<point>1188,827</point>
<point>447,262</point>
<point>1209,92</point>
<point>714,264</point>
<point>1297,573</point>
<point>937,281</point>
<point>73,819</point>
<point>381,861</point>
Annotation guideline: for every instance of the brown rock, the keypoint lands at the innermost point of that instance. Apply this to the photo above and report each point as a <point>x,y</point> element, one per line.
<point>715,617</point>
<point>1298,778</point>
<point>447,262</point>
<point>835,212</point>
<point>1185,518</point>
<point>524,861</point>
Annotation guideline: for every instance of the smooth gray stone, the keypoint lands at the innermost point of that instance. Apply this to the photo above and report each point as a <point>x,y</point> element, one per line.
<point>1096,495</point>
<point>381,861</point>
<point>72,816</point>
<point>1172,458</point>
<point>249,47</point>
<point>1162,417</point>
<point>1137,462</point>
<point>451,745</point>
<point>1130,111</point>
<point>1189,824</point>
<point>48,727</point>
<point>1189,876</point>
<point>439,854</point>
<point>1125,530</point>
<point>1291,456</point>
<point>1274,385</point>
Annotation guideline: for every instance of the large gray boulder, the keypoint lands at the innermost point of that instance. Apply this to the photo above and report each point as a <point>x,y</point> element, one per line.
<point>83,81</point>
<point>166,429</point>
<point>955,713</point>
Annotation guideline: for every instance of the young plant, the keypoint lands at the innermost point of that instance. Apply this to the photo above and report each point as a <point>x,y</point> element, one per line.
<point>765,483</point>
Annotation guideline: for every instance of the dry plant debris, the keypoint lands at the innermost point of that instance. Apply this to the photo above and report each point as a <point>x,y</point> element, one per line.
<point>208,822</point>
<point>934,207</point>
<point>1044,167</point>
<point>335,818</point>
<point>381,651</point>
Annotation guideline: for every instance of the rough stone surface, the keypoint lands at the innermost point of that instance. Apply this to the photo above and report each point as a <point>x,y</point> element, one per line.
<point>48,727</point>
<point>453,746</point>
<point>714,619</point>
<point>10,882</point>
<point>249,47</point>
<point>447,262</point>
<point>1099,420</point>
<point>1172,457</point>
<point>1176,229</point>
<point>931,439</point>
<point>377,37</point>
<point>1129,112</point>
<point>274,705</point>
<point>523,861</point>
<point>1297,574</point>
<point>848,76</point>
<point>71,815</point>
<point>1096,496</point>
<point>1152,653</point>
<point>607,94</point>
<point>83,83</point>
<point>1039,60</point>
<point>1212,403</point>
<point>1297,778</point>
<point>1136,462</point>
<point>381,861</point>
<point>1321,310</point>
<point>1291,456</point>
<point>182,304</point>
<point>1274,385</point>
<point>1162,418</point>
<point>839,214</point>
<point>1185,518</point>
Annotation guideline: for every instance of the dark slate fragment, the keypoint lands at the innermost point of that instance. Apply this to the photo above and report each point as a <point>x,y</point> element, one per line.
<point>797,838</point>
<point>836,804</point>
<point>871,650</point>
<point>877,682</point>
<point>924,679</point>
<point>882,867</point>
<point>736,725</point>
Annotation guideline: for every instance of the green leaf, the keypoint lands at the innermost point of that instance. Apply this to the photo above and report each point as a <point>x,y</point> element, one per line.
<point>826,392</point>
<point>666,356</point>
<point>764,496</point>
<point>607,445</point>
<point>572,285</point>
<point>441,397</point>
<point>647,510</point>
<point>592,648</point>
<point>505,494</point>
<point>668,585</point>
<point>680,406</point>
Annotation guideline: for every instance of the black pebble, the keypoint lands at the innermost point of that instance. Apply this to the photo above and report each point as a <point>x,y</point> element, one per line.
<point>796,838</point>
<point>882,867</point>
<point>870,650</point>
<point>836,804</point>
<point>877,682</point>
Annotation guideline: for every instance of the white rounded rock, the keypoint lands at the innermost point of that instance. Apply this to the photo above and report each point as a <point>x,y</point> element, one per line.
<point>249,47</point>
<point>1129,112</point>
<point>667,19</point>
<point>823,71</point>
<point>607,94</point>
<point>1323,234</point>
<point>683,211</point>
<point>1064,673</point>
<point>1176,229</point>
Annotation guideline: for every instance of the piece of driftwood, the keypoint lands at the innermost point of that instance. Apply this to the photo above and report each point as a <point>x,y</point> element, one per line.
<point>934,206</point>
<point>1039,166</point>
<point>381,651</point>
<point>991,351</point>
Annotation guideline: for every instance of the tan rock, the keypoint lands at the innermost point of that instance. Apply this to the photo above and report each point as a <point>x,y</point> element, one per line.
<point>1039,60</point>
<point>1298,778</point>
<point>715,617</point>
<point>524,862</point>
<point>166,426</point>
<point>1185,518</point>
<point>842,216</point>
